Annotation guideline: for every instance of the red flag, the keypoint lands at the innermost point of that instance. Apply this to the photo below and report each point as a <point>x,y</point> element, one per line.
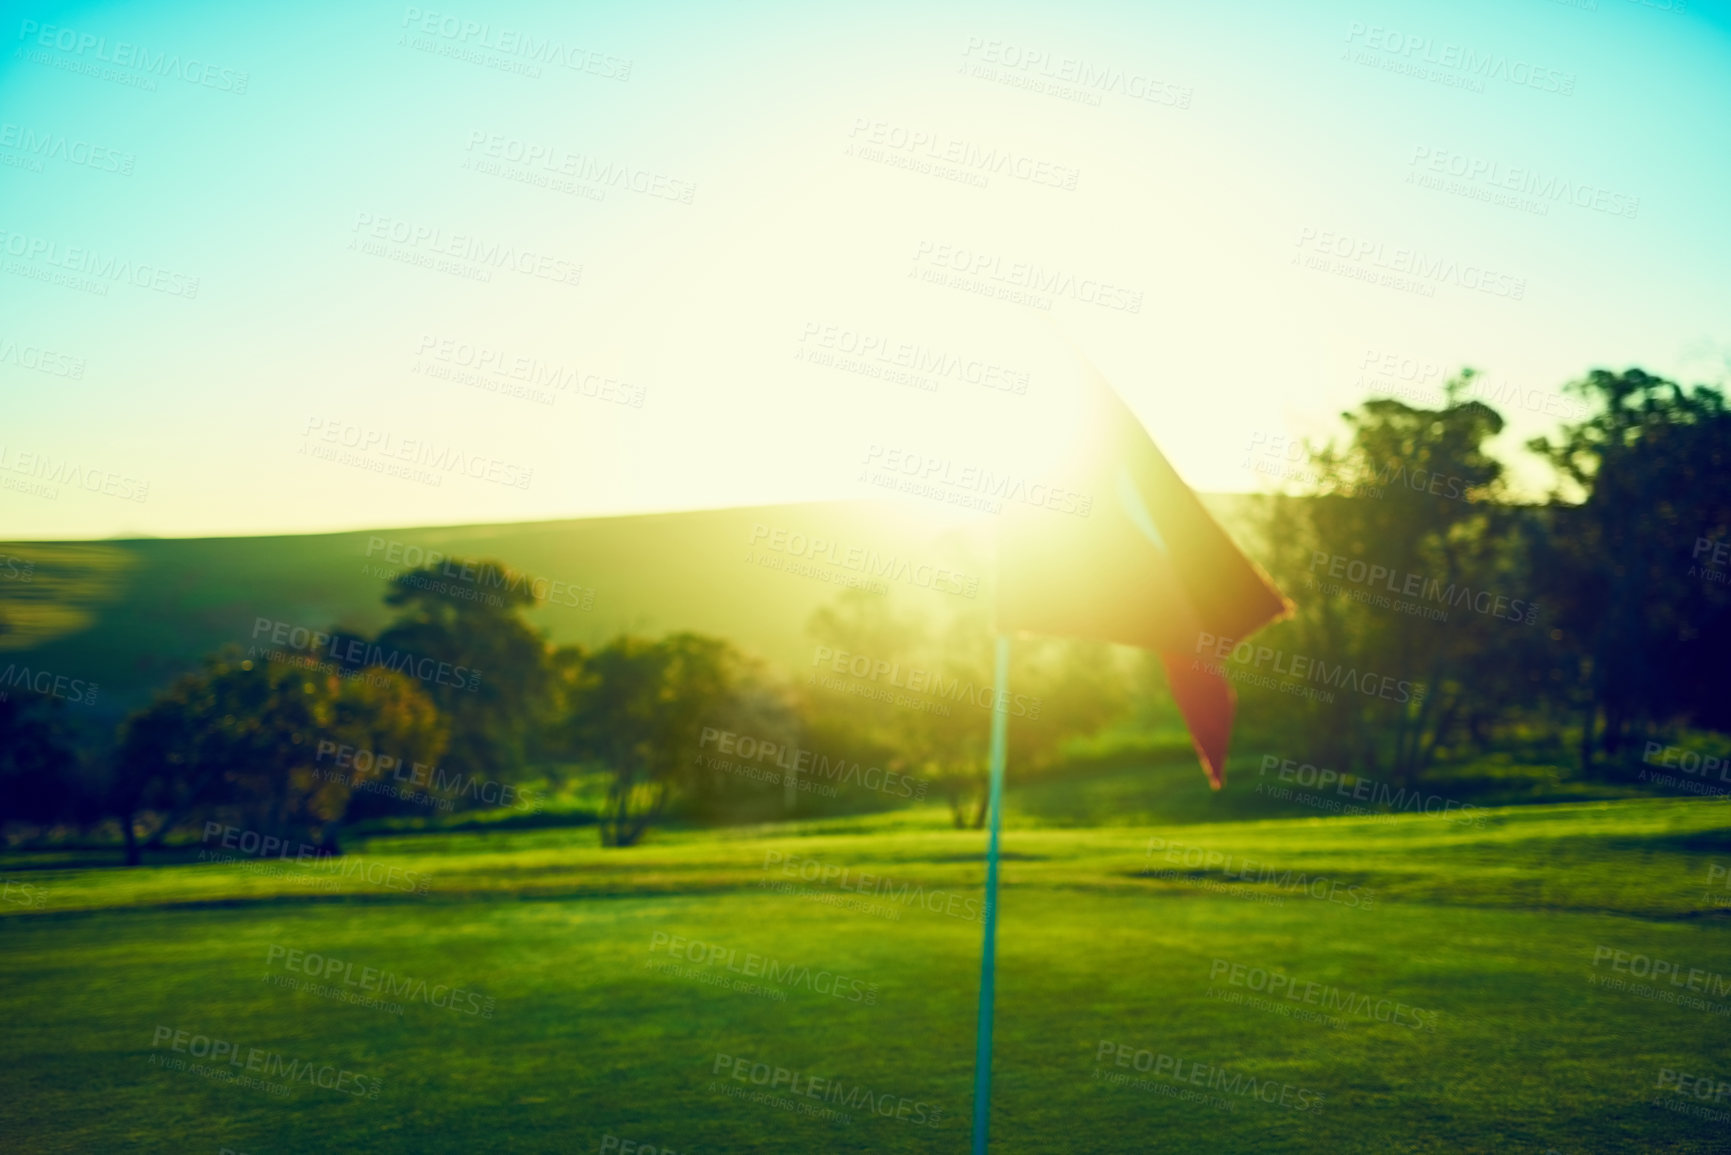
<point>1147,566</point>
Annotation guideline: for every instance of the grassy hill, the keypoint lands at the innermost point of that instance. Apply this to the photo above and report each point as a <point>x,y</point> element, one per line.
<point>131,615</point>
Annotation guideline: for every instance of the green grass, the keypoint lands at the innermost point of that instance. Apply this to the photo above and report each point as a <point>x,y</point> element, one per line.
<point>1493,929</point>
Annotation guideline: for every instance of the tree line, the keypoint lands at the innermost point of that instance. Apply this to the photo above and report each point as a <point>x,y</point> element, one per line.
<point>1572,628</point>
<point>297,741</point>
<point>1437,618</point>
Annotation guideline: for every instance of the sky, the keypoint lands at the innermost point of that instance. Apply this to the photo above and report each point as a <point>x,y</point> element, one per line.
<point>291,268</point>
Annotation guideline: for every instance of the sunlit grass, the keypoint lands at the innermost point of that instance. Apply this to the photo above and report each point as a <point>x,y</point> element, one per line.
<point>1494,929</point>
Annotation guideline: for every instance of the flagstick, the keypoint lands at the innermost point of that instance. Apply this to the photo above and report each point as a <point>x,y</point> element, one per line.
<point>988,955</point>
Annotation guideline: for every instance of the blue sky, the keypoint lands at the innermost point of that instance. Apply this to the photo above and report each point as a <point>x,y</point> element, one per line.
<point>730,253</point>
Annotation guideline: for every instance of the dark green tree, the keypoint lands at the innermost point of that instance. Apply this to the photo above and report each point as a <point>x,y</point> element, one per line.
<point>494,688</point>
<point>38,765</point>
<point>638,709</point>
<point>1644,480</point>
<point>1414,493</point>
<point>241,738</point>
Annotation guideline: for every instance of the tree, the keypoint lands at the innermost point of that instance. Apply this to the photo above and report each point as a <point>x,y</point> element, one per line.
<point>37,764</point>
<point>465,614</point>
<point>1651,470</point>
<point>638,707</point>
<point>243,737</point>
<point>1058,689</point>
<point>1414,496</point>
<point>852,728</point>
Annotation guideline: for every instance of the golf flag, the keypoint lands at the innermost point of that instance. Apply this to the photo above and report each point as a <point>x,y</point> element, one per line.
<point>1147,566</point>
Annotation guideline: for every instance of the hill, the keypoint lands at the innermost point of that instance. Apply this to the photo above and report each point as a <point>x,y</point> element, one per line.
<point>131,615</point>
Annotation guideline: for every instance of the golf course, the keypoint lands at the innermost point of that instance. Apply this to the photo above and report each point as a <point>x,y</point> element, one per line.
<point>1480,982</point>
<point>785,579</point>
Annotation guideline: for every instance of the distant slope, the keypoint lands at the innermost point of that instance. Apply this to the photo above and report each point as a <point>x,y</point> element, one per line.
<point>132,615</point>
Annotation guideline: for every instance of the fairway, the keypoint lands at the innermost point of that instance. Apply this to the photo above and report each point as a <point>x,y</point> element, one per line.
<point>1073,578</point>
<point>1468,994</point>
